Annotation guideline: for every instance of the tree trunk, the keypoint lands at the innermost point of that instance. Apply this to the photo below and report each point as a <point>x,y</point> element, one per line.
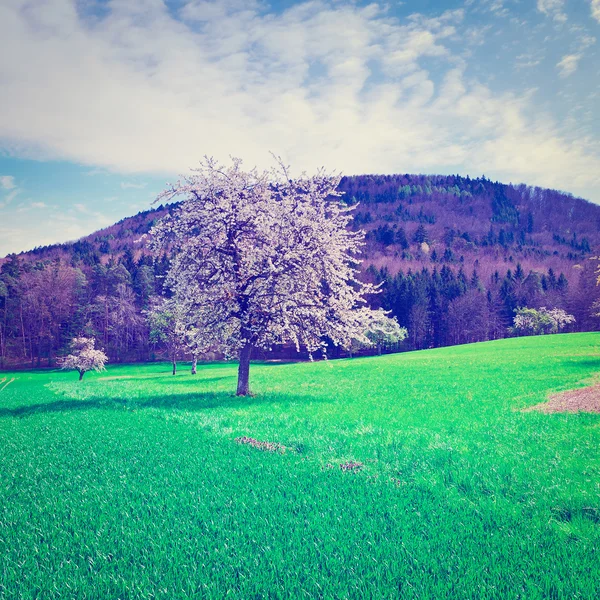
<point>23,331</point>
<point>81,374</point>
<point>243,388</point>
<point>194,364</point>
<point>3,344</point>
<point>174,366</point>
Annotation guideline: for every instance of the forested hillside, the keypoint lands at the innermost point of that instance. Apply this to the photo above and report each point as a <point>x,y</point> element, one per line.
<point>455,256</point>
<point>474,222</point>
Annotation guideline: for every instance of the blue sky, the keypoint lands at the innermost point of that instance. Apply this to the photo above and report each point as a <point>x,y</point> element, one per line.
<point>103,102</point>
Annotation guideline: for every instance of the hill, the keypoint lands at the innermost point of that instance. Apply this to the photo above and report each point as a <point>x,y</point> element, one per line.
<point>455,256</point>
<point>406,476</point>
<point>431,220</point>
<point>414,221</point>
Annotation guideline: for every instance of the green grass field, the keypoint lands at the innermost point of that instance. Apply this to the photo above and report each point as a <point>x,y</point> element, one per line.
<point>130,484</point>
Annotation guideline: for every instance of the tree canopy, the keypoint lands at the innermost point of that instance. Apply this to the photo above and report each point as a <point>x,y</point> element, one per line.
<point>260,258</point>
<point>84,357</point>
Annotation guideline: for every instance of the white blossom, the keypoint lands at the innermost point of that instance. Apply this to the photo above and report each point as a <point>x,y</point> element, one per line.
<point>85,357</point>
<point>385,331</point>
<point>167,324</point>
<point>529,321</point>
<point>263,259</point>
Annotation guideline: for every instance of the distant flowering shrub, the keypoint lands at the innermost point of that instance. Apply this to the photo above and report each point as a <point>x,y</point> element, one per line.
<point>85,357</point>
<point>266,446</point>
<point>529,321</point>
<point>385,331</point>
<point>596,309</point>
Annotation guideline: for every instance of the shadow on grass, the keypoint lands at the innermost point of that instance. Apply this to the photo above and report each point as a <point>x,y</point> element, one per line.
<point>160,379</point>
<point>186,402</point>
<point>591,363</point>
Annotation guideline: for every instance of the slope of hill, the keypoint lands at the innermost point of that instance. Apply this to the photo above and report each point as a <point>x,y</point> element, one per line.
<point>475,222</point>
<point>415,221</point>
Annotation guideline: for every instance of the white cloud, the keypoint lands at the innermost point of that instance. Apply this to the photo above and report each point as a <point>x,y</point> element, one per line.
<point>10,190</point>
<point>595,6</point>
<point>141,91</point>
<point>99,219</point>
<point>8,198</point>
<point>39,205</point>
<point>568,64</point>
<point>127,185</point>
<point>7,182</point>
<point>553,8</point>
<point>529,60</point>
<point>18,236</point>
<point>497,7</point>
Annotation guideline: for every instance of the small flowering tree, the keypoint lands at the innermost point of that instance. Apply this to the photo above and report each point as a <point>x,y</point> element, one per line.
<point>84,357</point>
<point>385,331</point>
<point>529,321</point>
<point>596,309</point>
<point>596,304</point>
<point>263,259</point>
<point>198,344</point>
<point>168,328</point>
<point>559,319</point>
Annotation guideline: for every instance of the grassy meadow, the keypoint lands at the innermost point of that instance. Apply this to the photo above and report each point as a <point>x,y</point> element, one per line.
<point>130,484</point>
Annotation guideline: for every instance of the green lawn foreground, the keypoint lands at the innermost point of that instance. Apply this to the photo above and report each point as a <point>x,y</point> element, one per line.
<point>130,484</point>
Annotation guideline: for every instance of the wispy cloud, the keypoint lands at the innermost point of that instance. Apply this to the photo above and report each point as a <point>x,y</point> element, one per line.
<point>126,185</point>
<point>8,198</point>
<point>82,208</point>
<point>99,219</point>
<point>9,190</point>
<point>568,64</point>
<point>7,182</point>
<point>528,61</point>
<point>498,8</point>
<point>553,9</point>
<point>322,82</point>
<point>595,6</point>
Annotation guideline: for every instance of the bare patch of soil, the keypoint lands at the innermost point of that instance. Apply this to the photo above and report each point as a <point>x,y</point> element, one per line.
<point>585,399</point>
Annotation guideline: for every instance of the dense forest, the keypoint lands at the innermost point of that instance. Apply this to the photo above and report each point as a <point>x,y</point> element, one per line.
<point>455,257</point>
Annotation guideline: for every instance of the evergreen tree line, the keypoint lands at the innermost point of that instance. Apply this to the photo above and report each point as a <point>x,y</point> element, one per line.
<point>442,307</point>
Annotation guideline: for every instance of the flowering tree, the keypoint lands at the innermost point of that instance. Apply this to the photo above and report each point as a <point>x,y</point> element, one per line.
<point>596,304</point>
<point>529,321</point>
<point>85,357</point>
<point>168,328</point>
<point>263,259</point>
<point>198,344</point>
<point>385,331</point>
